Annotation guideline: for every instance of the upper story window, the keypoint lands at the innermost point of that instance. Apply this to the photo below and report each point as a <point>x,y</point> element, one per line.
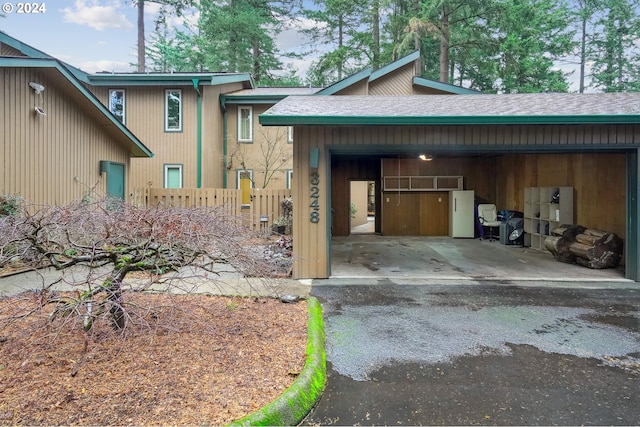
<point>117,104</point>
<point>245,124</point>
<point>173,110</point>
<point>290,134</point>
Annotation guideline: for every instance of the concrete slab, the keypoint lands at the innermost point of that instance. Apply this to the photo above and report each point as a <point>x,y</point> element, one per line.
<point>410,259</point>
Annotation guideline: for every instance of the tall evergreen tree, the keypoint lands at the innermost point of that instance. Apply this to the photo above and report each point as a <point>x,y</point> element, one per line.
<point>176,6</point>
<point>531,35</point>
<point>614,50</point>
<point>231,35</point>
<point>340,24</point>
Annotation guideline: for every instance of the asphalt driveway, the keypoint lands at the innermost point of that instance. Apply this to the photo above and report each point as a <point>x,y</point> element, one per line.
<point>486,354</point>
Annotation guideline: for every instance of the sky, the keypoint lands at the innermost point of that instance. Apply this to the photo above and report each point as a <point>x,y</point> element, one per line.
<point>101,35</point>
<point>96,35</point>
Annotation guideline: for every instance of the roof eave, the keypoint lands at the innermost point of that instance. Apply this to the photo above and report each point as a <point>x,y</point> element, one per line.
<point>346,82</point>
<point>251,99</point>
<point>395,65</point>
<point>136,147</point>
<point>445,87</point>
<point>166,79</point>
<point>293,120</point>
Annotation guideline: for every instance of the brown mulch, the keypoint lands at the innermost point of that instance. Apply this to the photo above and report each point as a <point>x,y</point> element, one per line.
<point>183,360</point>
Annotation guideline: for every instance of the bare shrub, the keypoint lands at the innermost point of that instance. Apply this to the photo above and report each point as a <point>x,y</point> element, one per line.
<point>164,249</point>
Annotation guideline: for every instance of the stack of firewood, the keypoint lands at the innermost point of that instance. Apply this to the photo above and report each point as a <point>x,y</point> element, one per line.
<point>587,247</point>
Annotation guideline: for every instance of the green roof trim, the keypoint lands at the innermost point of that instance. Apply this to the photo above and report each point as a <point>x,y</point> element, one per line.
<point>445,87</point>
<point>27,50</point>
<point>167,79</point>
<point>293,120</point>
<point>395,65</point>
<point>476,109</point>
<point>346,82</point>
<point>250,99</point>
<point>139,149</point>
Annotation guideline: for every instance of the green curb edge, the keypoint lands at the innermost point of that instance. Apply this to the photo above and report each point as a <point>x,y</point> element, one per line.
<point>290,408</point>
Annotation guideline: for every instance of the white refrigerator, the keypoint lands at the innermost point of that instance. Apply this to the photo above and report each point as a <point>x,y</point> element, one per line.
<point>461,213</point>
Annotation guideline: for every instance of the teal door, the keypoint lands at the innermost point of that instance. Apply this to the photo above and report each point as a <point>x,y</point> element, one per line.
<point>173,178</point>
<point>115,180</point>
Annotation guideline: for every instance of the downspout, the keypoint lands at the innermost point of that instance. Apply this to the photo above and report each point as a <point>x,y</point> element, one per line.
<point>223,105</point>
<point>196,82</point>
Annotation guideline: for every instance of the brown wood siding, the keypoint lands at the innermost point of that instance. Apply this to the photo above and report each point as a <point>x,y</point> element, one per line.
<point>212,134</point>
<point>254,155</point>
<point>359,88</point>
<point>396,83</point>
<point>145,118</point>
<point>479,173</point>
<point>562,136</point>
<point>50,159</point>
<point>6,50</point>
<point>599,182</point>
<point>499,178</point>
<point>310,252</point>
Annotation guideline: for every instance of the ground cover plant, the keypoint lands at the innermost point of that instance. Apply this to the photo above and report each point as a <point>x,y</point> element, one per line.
<point>128,338</point>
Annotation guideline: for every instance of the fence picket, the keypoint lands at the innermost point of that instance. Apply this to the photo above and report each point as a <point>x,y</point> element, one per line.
<point>265,203</point>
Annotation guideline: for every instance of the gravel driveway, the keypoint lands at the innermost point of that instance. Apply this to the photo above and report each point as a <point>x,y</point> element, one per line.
<point>480,354</point>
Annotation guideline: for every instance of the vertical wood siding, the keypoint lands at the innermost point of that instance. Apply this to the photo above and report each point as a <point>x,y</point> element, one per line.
<point>6,50</point>
<point>145,118</point>
<point>253,154</point>
<point>398,83</point>
<point>50,159</point>
<point>598,176</point>
<point>311,240</point>
<point>145,109</point>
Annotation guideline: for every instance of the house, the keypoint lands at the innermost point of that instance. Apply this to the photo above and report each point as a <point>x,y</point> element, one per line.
<point>203,127</point>
<point>497,145</point>
<point>212,129</point>
<point>178,116</point>
<point>59,143</point>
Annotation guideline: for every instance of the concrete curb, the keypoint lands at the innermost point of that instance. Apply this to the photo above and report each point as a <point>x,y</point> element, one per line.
<point>290,408</point>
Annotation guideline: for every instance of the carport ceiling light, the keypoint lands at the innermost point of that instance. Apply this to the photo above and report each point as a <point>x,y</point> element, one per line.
<point>425,157</point>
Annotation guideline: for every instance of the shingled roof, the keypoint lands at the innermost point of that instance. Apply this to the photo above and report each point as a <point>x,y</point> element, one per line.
<point>541,108</point>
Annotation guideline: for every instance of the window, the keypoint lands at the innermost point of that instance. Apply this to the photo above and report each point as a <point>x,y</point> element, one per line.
<point>244,180</point>
<point>244,174</point>
<point>173,110</point>
<point>172,176</point>
<point>289,173</point>
<point>245,124</point>
<point>117,104</point>
<point>289,134</point>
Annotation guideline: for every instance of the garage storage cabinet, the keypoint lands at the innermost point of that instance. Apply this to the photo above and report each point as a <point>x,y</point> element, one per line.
<point>544,209</point>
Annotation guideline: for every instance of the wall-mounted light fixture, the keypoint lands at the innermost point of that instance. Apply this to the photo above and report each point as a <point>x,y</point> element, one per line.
<point>425,157</point>
<point>39,89</point>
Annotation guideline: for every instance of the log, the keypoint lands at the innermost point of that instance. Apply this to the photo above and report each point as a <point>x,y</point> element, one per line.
<point>607,259</point>
<point>589,239</point>
<point>568,230</point>
<point>597,249</point>
<point>559,248</point>
<point>583,251</point>
<point>599,233</point>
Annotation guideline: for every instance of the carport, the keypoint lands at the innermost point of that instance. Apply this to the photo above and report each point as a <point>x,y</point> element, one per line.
<point>499,144</point>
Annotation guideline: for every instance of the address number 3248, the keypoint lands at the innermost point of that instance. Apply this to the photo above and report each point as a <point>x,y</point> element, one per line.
<point>314,215</point>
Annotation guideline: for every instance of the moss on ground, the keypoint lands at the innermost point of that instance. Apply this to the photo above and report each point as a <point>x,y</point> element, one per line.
<point>295,402</point>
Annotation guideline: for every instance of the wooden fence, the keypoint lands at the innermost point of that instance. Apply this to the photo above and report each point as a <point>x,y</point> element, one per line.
<point>261,213</point>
